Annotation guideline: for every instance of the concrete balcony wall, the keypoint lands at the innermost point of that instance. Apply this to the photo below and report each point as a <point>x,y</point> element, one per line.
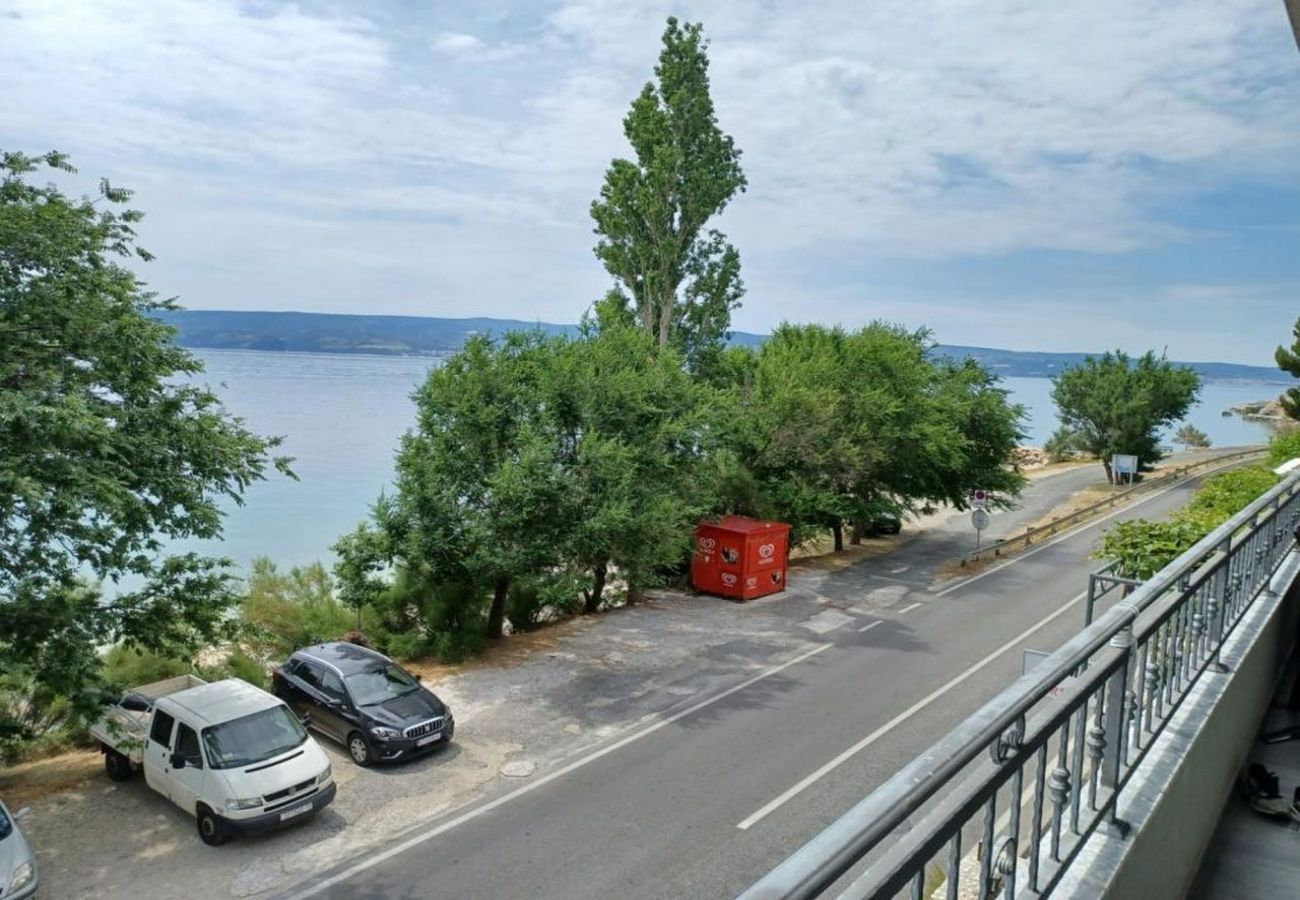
<point>1174,799</point>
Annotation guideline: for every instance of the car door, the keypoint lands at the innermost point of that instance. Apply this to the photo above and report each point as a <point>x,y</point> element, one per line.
<point>186,782</point>
<point>339,716</point>
<point>292,688</point>
<point>310,676</point>
<point>157,750</point>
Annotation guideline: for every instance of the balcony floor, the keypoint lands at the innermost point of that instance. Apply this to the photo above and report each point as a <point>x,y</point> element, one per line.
<point>1252,856</point>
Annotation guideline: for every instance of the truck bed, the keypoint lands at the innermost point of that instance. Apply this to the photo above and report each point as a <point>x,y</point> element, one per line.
<point>124,729</point>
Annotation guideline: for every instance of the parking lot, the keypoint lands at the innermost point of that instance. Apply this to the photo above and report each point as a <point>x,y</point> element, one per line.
<point>545,699</point>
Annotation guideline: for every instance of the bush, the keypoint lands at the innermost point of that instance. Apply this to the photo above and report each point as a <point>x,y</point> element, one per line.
<point>1141,548</point>
<point>127,666</point>
<point>1225,494</point>
<point>284,611</point>
<point>1284,446</point>
<point>1062,445</point>
<point>535,601</point>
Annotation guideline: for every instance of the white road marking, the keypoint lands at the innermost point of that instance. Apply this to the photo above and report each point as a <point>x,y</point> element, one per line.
<point>899,719</point>
<point>825,621</point>
<point>420,838</point>
<point>1080,528</point>
<point>872,625</point>
<point>909,608</point>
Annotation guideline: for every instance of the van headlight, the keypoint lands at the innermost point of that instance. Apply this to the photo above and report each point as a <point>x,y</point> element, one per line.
<point>324,777</point>
<point>22,876</point>
<point>250,803</point>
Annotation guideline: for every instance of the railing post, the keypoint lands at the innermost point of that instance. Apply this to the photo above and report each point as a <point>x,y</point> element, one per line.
<point>1116,721</point>
<point>1216,605</point>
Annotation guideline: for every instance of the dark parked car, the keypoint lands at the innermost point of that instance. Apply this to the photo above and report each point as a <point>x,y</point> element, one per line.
<point>363,700</point>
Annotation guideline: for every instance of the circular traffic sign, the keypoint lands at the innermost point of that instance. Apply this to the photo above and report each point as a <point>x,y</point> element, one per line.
<point>980,519</point>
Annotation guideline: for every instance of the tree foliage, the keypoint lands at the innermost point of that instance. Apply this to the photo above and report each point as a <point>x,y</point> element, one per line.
<point>107,451</point>
<point>1114,404</point>
<point>836,426</point>
<point>674,278</point>
<point>1192,437</point>
<point>538,463</point>
<point>1288,360</point>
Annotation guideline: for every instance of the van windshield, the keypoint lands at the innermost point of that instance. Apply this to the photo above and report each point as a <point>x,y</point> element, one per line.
<point>252,739</point>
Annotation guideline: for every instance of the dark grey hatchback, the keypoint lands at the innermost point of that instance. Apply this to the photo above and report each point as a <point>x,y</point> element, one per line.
<point>364,700</point>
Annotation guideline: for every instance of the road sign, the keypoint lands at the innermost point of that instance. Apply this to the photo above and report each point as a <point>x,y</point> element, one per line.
<point>979,499</point>
<point>1123,464</point>
<point>980,519</point>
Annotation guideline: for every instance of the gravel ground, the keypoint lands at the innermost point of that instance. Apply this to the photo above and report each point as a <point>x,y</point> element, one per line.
<point>579,685</point>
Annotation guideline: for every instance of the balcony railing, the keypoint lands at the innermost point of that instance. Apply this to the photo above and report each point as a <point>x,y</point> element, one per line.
<point>1030,776</point>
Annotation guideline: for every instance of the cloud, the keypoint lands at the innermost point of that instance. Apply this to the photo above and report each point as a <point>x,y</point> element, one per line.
<point>403,160</point>
<point>467,47</point>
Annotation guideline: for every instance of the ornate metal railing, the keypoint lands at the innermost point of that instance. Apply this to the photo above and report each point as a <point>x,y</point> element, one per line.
<point>1027,537</point>
<point>1004,802</point>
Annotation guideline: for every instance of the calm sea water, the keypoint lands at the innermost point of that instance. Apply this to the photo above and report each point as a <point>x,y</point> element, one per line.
<point>341,417</point>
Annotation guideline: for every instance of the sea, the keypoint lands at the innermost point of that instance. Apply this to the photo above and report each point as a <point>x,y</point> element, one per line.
<point>341,417</point>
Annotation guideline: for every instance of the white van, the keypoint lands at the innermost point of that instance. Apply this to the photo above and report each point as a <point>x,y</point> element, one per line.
<point>230,754</point>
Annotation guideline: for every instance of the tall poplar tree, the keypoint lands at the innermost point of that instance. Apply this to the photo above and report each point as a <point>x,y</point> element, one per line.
<point>676,278</point>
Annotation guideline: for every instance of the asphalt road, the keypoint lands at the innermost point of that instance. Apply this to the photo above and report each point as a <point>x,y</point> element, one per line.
<point>702,806</point>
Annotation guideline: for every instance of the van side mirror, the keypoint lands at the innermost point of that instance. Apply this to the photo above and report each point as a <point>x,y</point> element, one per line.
<point>417,676</point>
<point>305,720</point>
<point>22,813</point>
<point>178,760</point>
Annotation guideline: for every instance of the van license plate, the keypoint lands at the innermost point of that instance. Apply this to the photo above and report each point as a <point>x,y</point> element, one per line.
<point>428,739</point>
<point>296,811</point>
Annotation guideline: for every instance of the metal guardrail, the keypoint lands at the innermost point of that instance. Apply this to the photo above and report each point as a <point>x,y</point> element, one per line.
<point>1027,537</point>
<point>1055,748</point>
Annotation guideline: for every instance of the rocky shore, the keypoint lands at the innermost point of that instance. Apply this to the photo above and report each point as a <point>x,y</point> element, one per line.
<point>1260,409</point>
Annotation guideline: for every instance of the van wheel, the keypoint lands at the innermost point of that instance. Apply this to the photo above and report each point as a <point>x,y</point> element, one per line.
<point>359,749</point>
<point>212,831</point>
<point>117,765</point>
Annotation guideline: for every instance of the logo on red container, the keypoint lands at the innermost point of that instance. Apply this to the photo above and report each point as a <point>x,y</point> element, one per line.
<point>767,551</point>
<point>728,579</point>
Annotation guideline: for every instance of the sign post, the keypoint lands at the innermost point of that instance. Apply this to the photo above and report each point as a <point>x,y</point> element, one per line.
<point>980,519</point>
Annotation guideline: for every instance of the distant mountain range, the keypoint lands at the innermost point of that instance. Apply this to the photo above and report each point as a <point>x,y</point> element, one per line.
<point>429,336</point>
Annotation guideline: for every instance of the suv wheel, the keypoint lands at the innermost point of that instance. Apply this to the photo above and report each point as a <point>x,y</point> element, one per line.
<point>212,831</point>
<point>359,749</point>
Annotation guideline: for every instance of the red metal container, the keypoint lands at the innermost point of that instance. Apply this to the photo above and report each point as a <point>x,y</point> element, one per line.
<point>739,557</point>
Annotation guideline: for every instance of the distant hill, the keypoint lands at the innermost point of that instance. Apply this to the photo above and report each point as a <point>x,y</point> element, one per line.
<point>429,336</point>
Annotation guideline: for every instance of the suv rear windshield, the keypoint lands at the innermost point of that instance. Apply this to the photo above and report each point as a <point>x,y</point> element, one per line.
<point>379,684</point>
<point>252,739</point>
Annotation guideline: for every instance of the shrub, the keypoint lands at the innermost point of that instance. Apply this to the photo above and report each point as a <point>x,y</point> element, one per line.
<point>283,611</point>
<point>535,601</point>
<point>128,666</point>
<point>1284,446</point>
<point>1062,445</point>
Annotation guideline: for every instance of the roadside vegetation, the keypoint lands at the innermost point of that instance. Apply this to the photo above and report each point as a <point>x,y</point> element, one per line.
<point>1142,547</point>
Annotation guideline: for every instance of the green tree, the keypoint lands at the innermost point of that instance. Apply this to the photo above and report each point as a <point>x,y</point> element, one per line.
<point>635,432</point>
<point>478,492</point>
<point>1190,436</point>
<point>107,451</point>
<point>675,279</point>
<point>1289,361</point>
<point>835,425</point>
<point>1114,404</point>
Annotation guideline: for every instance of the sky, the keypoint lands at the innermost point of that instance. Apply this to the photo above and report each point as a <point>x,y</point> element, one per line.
<point>1026,175</point>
